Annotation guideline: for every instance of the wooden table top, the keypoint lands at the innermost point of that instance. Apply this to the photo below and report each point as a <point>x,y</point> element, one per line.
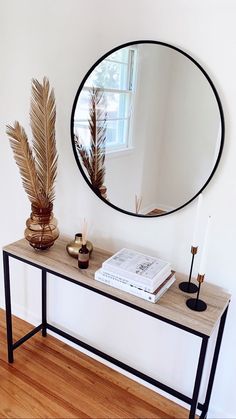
<point>171,306</point>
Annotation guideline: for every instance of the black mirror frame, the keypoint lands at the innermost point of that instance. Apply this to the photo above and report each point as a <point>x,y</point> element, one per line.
<point>220,111</point>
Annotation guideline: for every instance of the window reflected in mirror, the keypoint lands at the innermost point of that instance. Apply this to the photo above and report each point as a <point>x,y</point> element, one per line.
<point>115,76</point>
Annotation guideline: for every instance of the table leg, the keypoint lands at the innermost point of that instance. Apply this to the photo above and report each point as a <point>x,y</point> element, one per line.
<point>198,379</point>
<point>214,364</point>
<point>6,271</point>
<point>44,302</point>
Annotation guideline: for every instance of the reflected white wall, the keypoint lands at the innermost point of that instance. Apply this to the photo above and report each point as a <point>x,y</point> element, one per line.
<point>191,133</point>
<point>149,119</point>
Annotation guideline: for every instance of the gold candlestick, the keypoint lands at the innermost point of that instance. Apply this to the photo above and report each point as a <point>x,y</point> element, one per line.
<point>195,303</point>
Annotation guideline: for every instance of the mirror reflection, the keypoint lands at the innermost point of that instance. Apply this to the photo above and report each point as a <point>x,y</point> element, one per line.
<point>147,129</point>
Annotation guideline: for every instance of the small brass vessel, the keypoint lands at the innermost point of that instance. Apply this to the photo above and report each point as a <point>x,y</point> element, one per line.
<point>74,246</point>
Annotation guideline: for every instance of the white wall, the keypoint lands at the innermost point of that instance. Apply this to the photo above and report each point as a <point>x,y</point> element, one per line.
<point>62,39</point>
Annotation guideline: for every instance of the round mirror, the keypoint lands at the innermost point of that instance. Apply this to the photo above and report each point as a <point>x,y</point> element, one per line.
<point>147,128</point>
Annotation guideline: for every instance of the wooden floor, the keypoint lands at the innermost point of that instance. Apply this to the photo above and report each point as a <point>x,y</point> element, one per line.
<point>49,379</point>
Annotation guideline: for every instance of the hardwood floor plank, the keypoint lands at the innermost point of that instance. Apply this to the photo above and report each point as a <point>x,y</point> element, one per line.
<point>88,378</point>
<point>19,390</point>
<point>49,379</point>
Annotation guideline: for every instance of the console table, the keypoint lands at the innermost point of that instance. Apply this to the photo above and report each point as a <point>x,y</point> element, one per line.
<point>171,309</point>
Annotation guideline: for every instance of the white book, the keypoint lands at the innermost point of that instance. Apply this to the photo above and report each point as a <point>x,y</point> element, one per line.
<point>137,266</point>
<point>138,283</point>
<point>152,297</point>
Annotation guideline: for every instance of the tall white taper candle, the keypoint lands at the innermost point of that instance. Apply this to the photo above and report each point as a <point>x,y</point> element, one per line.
<point>196,223</point>
<point>203,261</point>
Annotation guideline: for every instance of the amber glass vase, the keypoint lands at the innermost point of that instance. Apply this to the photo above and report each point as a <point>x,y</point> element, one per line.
<point>41,228</point>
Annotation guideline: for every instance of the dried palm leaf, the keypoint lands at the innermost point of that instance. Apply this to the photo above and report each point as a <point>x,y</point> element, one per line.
<point>97,127</point>
<point>43,118</point>
<point>84,154</point>
<point>26,163</point>
<point>93,157</point>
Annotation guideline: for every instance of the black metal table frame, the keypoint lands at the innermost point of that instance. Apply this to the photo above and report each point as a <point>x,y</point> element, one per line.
<point>193,401</point>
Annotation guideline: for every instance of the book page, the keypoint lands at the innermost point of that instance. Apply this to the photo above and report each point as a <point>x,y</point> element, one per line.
<point>137,263</point>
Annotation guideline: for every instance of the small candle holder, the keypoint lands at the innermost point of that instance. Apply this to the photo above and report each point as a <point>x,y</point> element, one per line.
<point>188,286</point>
<point>195,303</point>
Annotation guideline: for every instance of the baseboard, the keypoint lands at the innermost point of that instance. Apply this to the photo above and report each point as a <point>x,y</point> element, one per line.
<point>26,315</point>
<point>219,414</point>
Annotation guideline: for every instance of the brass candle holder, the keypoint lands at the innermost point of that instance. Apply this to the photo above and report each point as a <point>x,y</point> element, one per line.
<point>195,303</point>
<point>188,286</point>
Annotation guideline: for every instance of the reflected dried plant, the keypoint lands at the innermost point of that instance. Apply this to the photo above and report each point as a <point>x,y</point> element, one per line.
<point>93,157</point>
<point>138,202</point>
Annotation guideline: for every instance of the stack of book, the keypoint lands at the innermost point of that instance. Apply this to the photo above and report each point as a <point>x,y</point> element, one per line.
<point>145,276</point>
